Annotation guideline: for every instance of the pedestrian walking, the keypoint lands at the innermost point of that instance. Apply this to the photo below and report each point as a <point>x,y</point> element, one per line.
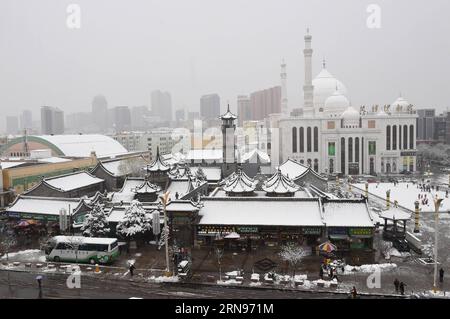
<point>402,288</point>
<point>321,272</point>
<point>354,293</point>
<point>396,284</point>
<point>131,269</point>
<point>441,275</point>
<point>330,274</point>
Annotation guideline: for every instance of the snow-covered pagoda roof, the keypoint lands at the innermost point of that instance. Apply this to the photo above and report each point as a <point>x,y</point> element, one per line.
<point>228,115</point>
<point>255,156</point>
<point>180,172</point>
<point>238,183</point>
<point>146,188</point>
<point>158,165</point>
<point>279,184</point>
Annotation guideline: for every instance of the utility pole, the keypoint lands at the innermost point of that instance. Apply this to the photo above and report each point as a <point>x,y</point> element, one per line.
<point>164,199</point>
<point>437,204</point>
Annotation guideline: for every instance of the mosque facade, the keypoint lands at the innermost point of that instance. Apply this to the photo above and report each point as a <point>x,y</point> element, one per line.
<point>334,137</point>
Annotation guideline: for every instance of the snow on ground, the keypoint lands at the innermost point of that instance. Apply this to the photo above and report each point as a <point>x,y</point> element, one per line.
<point>393,252</point>
<point>406,194</point>
<point>164,279</point>
<point>28,255</point>
<point>229,282</point>
<point>370,268</point>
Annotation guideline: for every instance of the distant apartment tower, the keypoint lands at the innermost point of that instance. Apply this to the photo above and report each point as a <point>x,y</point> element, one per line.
<point>162,105</point>
<point>52,120</point>
<point>425,125</point>
<point>180,115</point>
<point>26,120</point>
<point>12,124</point>
<point>244,111</point>
<point>265,102</point>
<point>138,116</point>
<point>100,113</point>
<point>210,106</point>
<point>122,118</point>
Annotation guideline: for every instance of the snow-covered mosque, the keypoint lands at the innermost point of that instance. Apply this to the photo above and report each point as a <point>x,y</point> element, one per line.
<point>332,136</point>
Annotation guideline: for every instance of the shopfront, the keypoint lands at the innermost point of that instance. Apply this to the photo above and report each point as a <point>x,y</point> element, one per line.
<point>339,236</point>
<point>361,238</point>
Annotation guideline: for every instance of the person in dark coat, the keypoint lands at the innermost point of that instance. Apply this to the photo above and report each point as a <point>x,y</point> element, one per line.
<point>402,288</point>
<point>441,275</point>
<point>354,292</point>
<point>321,272</point>
<point>132,268</point>
<point>396,284</point>
<point>330,275</point>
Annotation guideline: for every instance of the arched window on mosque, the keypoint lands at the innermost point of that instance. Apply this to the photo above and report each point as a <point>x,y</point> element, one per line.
<point>394,138</point>
<point>411,137</point>
<point>350,150</point>
<point>400,137</point>
<point>294,140</point>
<point>388,137</point>
<point>405,137</point>
<point>316,139</point>
<point>302,139</point>
<point>308,140</point>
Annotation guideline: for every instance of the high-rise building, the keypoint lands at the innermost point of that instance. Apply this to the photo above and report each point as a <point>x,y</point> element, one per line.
<point>100,113</point>
<point>12,124</point>
<point>210,106</point>
<point>244,111</point>
<point>265,102</point>
<point>52,120</point>
<point>425,125</point>
<point>162,105</point>
<point>138,116</point>
<point>180,115</point>
<point>26,120</point>
<point>122,118</point>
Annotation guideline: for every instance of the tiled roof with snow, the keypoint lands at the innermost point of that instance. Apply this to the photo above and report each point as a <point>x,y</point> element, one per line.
<point>43,205</point>
<point>72,181</point>
<point>344,213</point>
<point>126,194</point>
<point>273,212</point>
<point>146,187</point>
<point>158,165</point>
<point>293,169</point>
<point>255,156</point>
<point>239,182</point>
<point>280,184</point>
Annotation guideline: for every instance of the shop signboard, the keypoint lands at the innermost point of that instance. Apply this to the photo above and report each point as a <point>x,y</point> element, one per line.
<point>338,231</point>
<point>408,153</point>
<point>312,230</point>
<point>247,229</point>
<point>361,232</point>
<point>212,230</point>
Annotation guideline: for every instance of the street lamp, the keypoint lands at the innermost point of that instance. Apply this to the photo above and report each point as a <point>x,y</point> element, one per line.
<point>437,204</point>
<point>164,199</point>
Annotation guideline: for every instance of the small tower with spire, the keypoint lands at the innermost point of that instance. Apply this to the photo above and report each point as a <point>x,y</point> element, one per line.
<point>284,100</point>
<point>308,88</point>
<point>228,142</point>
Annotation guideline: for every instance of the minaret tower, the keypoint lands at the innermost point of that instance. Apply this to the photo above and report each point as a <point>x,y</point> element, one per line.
<point>228,142</point>
<point>308,89</point>
<point>284,100</point>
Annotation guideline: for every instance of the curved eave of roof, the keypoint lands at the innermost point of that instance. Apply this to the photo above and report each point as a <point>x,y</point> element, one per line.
<point>32,138</point>
<point>310,170</point>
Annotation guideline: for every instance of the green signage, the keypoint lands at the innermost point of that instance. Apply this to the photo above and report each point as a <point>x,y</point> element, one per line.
<point>372,148</point>
<point>311,230</point>
<point>331,149</point>
<point>247,229</point>
<point>360,231</point>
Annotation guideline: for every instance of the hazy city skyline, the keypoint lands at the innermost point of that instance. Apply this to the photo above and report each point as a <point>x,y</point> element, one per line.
<point>190,49</point>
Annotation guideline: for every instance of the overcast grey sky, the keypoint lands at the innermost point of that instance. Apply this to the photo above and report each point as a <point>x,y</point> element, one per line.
<point>126,49</point>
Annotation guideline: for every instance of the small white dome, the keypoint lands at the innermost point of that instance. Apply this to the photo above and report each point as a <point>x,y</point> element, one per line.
<point>350,114</point>
<point>336,103</point>
<point>324,87</point>
<point>399,105</point>
<point>382,113</point>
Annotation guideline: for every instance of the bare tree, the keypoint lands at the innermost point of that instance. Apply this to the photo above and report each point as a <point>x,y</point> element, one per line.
<point>293,255</point>
<point>7,240</point>
<point>219,255</point>
<point>74,243</point>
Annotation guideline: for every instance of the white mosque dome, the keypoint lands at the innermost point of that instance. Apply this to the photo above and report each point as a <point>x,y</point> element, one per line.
<point>351,117</point>
<point>399,105</point>
<point>336,103</point>
<point>325,85</point>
